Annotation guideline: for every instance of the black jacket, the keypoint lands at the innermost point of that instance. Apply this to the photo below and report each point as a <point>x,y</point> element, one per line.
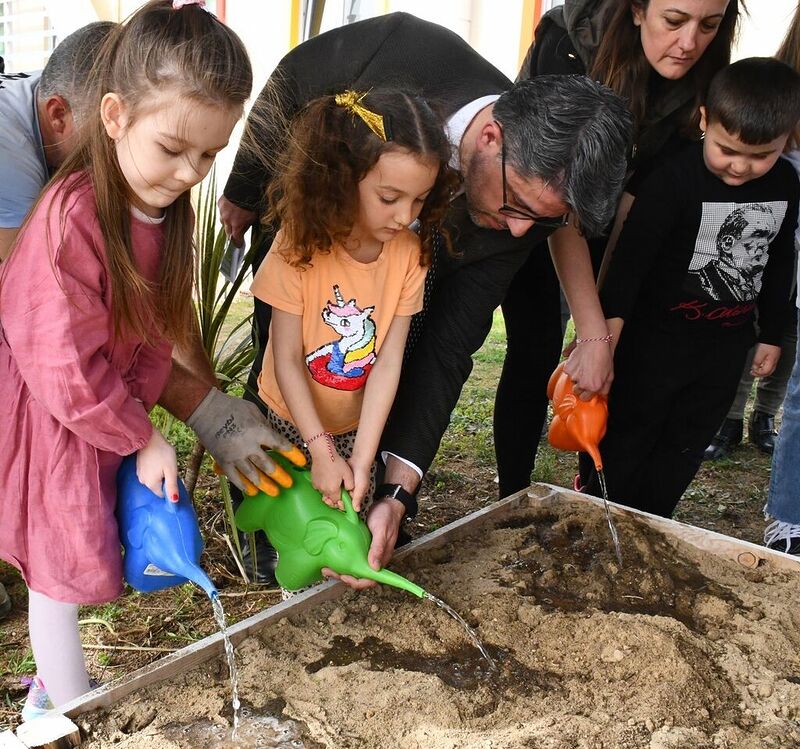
<point>401,50</point>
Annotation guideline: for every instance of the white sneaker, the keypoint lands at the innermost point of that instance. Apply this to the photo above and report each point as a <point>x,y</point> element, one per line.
<point>783,537</point>
<point>37,703</point>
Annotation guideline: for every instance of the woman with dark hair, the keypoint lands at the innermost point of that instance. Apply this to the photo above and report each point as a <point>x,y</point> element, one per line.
<point>660,55</point>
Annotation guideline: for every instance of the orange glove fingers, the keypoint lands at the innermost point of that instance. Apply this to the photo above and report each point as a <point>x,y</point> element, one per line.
<point>250,489</point>
<point>295,454</point>
<point>268,487</point>
<point>280,476</point>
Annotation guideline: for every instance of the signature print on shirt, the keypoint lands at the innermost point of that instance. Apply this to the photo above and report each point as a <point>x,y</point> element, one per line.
<point>344,364</point>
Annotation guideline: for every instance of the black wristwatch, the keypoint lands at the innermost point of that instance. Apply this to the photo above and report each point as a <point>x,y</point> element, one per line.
<point>395,491</point>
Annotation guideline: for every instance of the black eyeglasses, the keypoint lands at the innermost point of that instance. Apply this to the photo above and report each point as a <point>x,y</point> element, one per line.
<point>509,210</point>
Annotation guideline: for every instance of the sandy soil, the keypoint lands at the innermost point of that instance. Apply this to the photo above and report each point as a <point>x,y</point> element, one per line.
<point>675,650</point>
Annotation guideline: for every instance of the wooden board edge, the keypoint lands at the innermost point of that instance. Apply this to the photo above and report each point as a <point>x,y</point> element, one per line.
<point>9,740</point>
<point>745,553</point>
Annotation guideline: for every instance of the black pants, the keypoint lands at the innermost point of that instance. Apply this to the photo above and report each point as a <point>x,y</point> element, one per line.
<point>534,338</point>
<point>532,312</point>
<point>671,391</point>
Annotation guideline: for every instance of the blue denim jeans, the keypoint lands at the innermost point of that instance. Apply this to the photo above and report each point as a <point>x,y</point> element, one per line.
<point>784,486</point>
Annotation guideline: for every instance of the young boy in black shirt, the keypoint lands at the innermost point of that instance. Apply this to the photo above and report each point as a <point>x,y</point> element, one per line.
<point>708,241</point>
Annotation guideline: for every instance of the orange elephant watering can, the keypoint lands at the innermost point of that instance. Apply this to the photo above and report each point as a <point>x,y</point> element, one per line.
<point>577,425</point>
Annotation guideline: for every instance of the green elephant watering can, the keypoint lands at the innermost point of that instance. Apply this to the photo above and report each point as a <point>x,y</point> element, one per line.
<point>309,535</point>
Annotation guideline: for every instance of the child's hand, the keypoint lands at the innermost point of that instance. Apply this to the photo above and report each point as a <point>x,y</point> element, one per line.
<point>361,478</point>
<point>765,360</point>
<point>328,476</point>
<point>156,464</point>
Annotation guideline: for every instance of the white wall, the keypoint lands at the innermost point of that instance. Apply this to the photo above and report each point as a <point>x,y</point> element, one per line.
<point>763,31</point>
<point>264,27</point>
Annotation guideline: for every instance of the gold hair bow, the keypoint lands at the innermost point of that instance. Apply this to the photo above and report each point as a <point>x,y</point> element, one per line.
<point>351,101</point>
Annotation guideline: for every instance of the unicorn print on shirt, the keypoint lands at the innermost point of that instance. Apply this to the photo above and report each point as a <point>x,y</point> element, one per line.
<point>344,364</point>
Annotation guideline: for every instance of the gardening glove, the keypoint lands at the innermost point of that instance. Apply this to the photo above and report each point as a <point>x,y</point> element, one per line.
<point>236,435</point>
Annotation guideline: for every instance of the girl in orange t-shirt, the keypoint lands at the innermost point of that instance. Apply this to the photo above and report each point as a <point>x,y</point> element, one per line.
<point>345,273</point>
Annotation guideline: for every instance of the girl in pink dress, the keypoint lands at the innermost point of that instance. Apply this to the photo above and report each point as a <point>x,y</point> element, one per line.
<point>93,298</point>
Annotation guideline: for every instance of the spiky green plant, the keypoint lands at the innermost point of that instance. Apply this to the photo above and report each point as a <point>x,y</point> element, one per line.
<point>229,347</point>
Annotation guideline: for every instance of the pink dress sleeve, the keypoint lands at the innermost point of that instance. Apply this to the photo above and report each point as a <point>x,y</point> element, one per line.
<point>56,317</point>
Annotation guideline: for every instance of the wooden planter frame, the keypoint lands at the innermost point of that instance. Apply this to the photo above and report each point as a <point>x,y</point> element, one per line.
<point>744,553</point>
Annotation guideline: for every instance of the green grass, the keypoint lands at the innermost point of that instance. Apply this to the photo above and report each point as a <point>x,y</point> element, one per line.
<point>20,663</point>
<point>470,432</point>
<point>470,437</point>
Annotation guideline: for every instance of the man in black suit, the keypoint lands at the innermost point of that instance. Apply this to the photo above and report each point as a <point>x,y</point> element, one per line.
<point>533,155</point>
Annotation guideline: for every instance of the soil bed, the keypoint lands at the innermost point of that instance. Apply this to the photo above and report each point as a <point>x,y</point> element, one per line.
<point>677,649</point>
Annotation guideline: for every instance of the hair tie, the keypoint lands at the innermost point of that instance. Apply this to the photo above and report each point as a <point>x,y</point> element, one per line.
<point>351,101</point>
<point>178,4</point>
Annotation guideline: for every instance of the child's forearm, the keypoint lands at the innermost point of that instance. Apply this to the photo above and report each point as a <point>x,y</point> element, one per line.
<point>297,396</point>
<point>378,398</point>
<point>290,373</point>
<point>615,325</point>
<point>379,392</point>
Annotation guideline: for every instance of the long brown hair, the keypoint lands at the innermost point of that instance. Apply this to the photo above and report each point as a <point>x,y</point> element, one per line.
<point>188,52</point>
<point>621,64</point>
<point>315,193</point>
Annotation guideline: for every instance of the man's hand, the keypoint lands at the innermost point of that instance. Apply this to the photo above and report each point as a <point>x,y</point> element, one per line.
<point>235,220</point>
<point>236,434</point>
<point>383,520</point>
<point>591,368</point>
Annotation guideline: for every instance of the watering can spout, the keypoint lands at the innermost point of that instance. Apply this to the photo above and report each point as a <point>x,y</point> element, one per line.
<point>194,573</point>
<point>385,577</point>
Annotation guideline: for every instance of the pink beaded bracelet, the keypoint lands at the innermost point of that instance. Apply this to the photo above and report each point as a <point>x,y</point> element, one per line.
<point>603,339</point>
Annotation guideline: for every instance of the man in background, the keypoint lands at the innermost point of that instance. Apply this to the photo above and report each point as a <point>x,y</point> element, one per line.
<point>39,116</point>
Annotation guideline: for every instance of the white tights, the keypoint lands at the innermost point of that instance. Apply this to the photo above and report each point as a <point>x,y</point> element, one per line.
<point>56,645</point>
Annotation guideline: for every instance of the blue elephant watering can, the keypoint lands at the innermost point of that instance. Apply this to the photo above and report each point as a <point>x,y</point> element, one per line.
<point>310,535</point>
<point>161,539</point>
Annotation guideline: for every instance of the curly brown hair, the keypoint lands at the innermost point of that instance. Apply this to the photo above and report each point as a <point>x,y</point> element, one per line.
<point>314,196</point>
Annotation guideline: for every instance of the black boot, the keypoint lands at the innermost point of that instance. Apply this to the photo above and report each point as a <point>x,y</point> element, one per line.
<point>761,431</point>
<point>263,572</point>
<point>727,437</point>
